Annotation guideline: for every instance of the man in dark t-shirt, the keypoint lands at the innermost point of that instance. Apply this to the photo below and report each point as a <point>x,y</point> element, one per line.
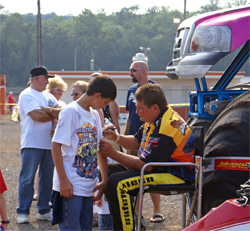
<point>139,74</point>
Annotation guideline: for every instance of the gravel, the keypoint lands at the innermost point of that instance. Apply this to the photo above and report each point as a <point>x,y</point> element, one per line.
<point>10,164</point>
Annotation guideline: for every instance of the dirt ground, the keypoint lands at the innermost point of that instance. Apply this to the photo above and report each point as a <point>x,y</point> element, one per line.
<point>10,164</point>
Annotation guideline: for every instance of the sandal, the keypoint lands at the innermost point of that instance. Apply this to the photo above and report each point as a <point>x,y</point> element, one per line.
<point>157,218</point>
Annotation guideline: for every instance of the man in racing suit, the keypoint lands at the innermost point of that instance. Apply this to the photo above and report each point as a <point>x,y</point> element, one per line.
<point>163,137</point>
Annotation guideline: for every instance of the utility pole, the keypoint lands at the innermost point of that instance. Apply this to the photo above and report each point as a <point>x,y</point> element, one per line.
<point>39,36</point>
<point>184,15</point>
<point>75,59</point>
<point>92,62</point>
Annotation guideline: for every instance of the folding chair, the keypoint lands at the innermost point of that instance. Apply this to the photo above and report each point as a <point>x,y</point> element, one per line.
<point>195,189</point>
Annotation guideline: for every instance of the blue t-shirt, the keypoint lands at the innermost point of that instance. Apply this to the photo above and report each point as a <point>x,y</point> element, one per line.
<point>134,119</point>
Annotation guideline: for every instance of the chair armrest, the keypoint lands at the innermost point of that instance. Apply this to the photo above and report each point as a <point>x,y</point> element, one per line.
<point>168,164</point>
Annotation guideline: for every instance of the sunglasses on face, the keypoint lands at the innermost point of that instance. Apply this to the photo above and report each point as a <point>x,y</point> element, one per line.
<point>135,69</point>
<point>76,94</point>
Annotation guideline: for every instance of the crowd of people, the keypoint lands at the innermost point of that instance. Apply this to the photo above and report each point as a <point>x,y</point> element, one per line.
<point>69,152</point>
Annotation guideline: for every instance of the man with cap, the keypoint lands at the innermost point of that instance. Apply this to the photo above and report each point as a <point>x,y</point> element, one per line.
<point>38,109</point>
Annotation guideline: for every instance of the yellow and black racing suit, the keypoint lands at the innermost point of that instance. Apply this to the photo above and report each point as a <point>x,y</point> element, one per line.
<point>168,139</point>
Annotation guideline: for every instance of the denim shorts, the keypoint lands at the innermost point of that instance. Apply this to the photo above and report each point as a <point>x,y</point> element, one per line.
<point>105,222</point>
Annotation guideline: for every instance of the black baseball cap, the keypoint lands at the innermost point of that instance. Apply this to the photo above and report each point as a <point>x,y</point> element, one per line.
<point>40,70</point>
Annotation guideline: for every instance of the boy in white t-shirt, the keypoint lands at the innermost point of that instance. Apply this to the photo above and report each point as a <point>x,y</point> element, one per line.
<point>75,152</point>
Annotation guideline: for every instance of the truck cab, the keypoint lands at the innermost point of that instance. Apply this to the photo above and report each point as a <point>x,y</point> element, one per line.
<point>201,41</point>
<point>204,39</point>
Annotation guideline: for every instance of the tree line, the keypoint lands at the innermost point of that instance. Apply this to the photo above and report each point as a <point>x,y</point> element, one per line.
<point>112,40</point>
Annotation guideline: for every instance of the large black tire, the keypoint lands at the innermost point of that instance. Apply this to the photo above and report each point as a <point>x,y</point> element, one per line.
<point>205,124</point>
<point>229,133</point>
<point>227,136</point>
<point>200,122</point>
<point>219,186</point>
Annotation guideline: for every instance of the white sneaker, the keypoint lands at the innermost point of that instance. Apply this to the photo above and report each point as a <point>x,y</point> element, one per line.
<point>44,217</point>
<point>22,218</point>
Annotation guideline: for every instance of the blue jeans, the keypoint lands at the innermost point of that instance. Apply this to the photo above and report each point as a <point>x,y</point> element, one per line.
<point>105,222</point>
<point>77,213</point>
<point>31,158</point>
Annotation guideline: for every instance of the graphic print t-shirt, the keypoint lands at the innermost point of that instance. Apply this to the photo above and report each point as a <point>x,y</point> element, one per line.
<point>79,132</point>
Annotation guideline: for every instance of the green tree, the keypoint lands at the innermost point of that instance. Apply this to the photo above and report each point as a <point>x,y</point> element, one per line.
<point>113,39</point>
<point>57,45</point>
<point>236,3</point>
<point>17,49</point>
<point>87,35</point>
<point>239,2</point>
<point>214,5</point>
<point>126,15</point>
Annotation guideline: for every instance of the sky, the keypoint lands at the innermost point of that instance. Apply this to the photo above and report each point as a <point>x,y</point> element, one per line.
<point>75,7</point>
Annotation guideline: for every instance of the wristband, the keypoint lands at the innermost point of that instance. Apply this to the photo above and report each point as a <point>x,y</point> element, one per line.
<point>118,137</point>
<point>50,110</point>
<point>5,222</point>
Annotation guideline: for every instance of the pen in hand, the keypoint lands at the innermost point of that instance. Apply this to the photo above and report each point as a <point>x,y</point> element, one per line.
<point>110,129</point>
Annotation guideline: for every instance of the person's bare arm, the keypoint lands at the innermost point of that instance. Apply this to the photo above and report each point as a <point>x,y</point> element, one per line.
<point>53,111</point>
<point>103,166</point>
<point>126,160</point>
<point>126,126</point>
<point>114,113</point>
<point>126,141</point>
<point>66,188</point>
<point>40,115</point>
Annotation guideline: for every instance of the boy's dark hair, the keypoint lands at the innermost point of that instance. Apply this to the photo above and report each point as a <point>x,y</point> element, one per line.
<point>151,94</point>
<point>103,84</point>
